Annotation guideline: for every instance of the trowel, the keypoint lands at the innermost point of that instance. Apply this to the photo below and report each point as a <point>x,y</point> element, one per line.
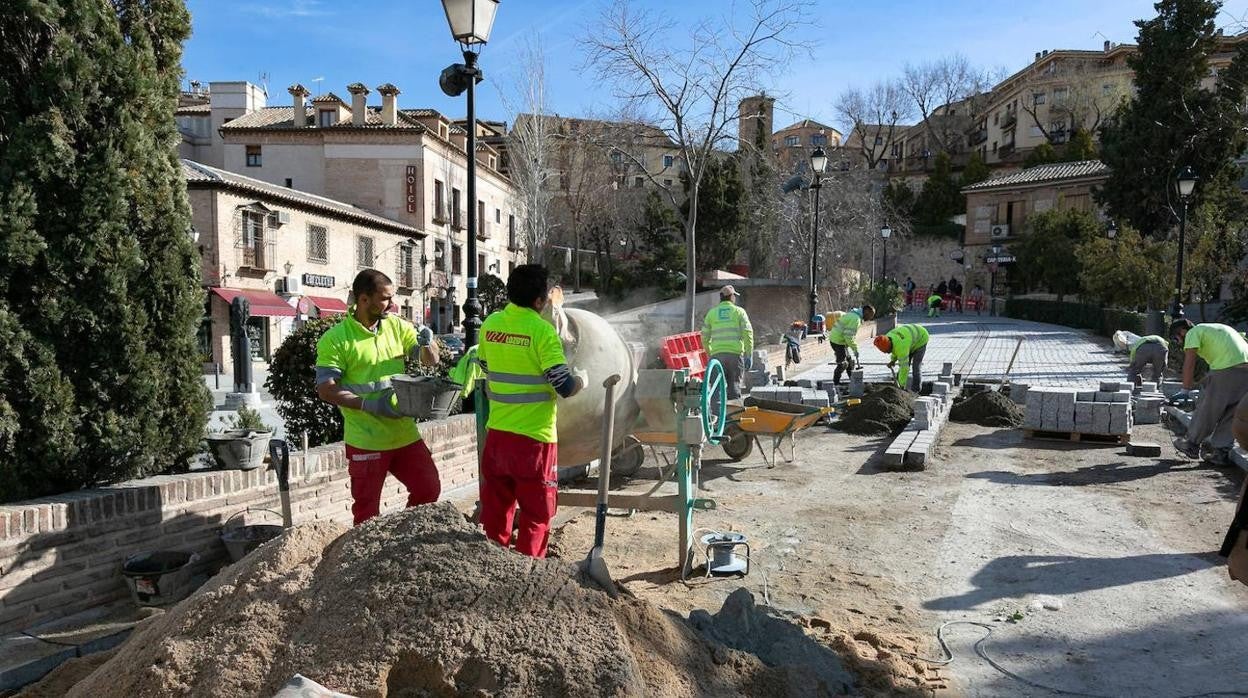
<point>594,563</point>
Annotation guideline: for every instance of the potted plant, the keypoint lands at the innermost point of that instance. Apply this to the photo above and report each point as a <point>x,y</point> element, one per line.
<point>887,298</point>
<point>241,445</point>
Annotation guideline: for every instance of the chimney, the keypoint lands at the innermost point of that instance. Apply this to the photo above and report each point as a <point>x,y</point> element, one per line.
<point>299,92</point>
<point>359,103</point>
<point>1037,55</point>
<point>389,106</point>
<point>1108,45</point>
<point>195,86</point>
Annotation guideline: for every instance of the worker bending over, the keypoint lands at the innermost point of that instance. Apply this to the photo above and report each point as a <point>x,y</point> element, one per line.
<point>1148,350</point>
<point>729,338</point>
<point>933,304</point>
<point>525,369</point>
<point>906,344</point>
<point>843,337</point>
<point>1226,352</point>
<point>355,360</point>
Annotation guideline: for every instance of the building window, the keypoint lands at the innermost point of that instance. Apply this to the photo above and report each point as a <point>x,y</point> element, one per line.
<point>364,252</point>
<point>617,157</point>
<point>1036,132</point>
<point>667,184</point>
<point>406,267</point>
<point>512,242</point>
<point>1106,89</point>
<point>457,213</point>
<point>792,141</point>
<point>819,139</point>
<point>481,270</point>
<point>482,229</point>
<point>290,183</point>
<point>498,215</point>
<point>253,243</point>
<point>327,117</point>
<point>318,244</point>
<point>253,156</point>
<point>668,161</point>
<point>439,255</point>
<point>879,140</point>
<point>1038,98</point>
<point>407,313</point>
<point>457,262</point>
<point>1060,94</point>
<point>439,201</point>
<point>638,182</point>
<point>511,266</point>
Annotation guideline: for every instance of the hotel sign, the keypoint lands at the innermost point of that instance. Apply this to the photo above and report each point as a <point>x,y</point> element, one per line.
<point>413,184</point>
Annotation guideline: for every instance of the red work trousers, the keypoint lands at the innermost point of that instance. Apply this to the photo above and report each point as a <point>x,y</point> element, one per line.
<point>412,465</point>
<point>517,469</point>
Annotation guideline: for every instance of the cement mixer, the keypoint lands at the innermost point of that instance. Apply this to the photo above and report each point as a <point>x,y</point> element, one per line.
<point>591,344</point>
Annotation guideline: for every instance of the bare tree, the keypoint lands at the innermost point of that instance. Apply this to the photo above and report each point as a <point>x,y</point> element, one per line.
<point>529,142</point>
<point>937,89</point>
<point>874,116</point>
<point>693,91</point>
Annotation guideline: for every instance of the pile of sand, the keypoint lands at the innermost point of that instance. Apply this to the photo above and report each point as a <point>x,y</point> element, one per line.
<point>885,409</point>
<point>989,409</point>
<point>420,604</point>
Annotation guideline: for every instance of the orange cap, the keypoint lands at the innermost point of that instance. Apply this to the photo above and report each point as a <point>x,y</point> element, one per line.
<point>883,343</point>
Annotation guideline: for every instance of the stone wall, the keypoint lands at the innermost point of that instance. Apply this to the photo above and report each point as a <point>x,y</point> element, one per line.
<point>62,555</point>
<point>927,261</point>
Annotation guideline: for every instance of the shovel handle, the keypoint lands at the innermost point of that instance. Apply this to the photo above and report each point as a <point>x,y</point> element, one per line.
<point>604,463</point>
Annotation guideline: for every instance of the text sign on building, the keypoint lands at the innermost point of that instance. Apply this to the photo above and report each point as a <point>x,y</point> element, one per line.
<point>318,280</point>
<point>1000,259</point>
<point>412,184</point>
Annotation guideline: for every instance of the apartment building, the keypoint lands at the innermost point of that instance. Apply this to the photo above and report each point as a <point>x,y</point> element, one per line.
<point>293,255</point>
<point>405,165</point>
<point>793,144</point>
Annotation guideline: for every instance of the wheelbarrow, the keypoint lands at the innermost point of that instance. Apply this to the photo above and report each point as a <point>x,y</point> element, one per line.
<point>768,418</point>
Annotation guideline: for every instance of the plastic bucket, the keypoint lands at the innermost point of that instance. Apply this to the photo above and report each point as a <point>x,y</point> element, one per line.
<point>425,397</point>
<point>241,540</point>
<point>159,578</point>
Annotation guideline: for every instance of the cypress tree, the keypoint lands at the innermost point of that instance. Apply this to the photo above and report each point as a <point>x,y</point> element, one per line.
<point>99,280</point>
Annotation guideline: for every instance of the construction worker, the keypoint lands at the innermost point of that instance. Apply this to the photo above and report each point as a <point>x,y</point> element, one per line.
<point>525,369</point>
<point>1148,350</point>
<point>1226,352</point>
<point>933,304</point>
<point>907,344</point>
<point>729,338</point>
<point>843,337</point>
<point>355,360</point>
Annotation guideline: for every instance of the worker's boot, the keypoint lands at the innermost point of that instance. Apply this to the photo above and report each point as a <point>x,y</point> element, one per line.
<point>1187,449</point>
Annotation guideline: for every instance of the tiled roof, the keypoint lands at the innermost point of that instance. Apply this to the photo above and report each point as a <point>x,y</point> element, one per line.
<point>807,123</point>
<point>327,97</point>
<point>193,109</point>
<point>197,174</point>
<point>1053,172</point>
<point>284,117</point>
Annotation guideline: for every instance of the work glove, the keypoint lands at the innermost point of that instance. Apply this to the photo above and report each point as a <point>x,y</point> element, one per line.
<point>381,405</point>
<point>749,362</point>
<point>582,377</point>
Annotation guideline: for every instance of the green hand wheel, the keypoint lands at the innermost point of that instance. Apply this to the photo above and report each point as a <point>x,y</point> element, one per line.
<point>714,402</point>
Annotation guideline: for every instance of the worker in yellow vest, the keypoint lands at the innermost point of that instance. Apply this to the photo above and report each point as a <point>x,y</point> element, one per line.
<point>355,360</point>
<point>729,338</point>
<point>906,344</point>
<point>843,337</point>
<point>1226,352</point>
<point>525,369</point>
<point>1148,350</point>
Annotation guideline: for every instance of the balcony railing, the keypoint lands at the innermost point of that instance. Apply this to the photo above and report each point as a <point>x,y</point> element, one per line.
<point>257,256</point>
<point>978,137</point>
<point>483,230</point>
<point>1006,150</point>
<point>457,222</point>
<point>1009,120</point>
<point>406,279</point>
<point>440,216</point>
<point>513,242</point>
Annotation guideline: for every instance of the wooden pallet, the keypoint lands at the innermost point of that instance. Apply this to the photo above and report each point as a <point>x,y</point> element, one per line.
<point>1104,439</point>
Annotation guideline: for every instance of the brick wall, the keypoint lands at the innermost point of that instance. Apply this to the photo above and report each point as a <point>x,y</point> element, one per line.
<point>62,555</point>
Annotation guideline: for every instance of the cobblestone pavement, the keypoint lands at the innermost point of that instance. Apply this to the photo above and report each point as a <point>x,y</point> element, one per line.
<point>980,346</point>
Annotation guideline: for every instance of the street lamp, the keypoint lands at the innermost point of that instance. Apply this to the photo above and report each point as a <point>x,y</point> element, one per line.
<point>818,165</point>
<point>885,232</point>
<point>470,22</point>
<point>1112,231</point>
<point>992,282</point>
<point>1187,183</point>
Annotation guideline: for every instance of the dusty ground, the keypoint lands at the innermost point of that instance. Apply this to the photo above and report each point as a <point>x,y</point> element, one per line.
<point>1123,547</point>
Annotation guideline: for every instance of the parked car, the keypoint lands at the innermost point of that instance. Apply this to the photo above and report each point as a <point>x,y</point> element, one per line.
<point>454,343</point>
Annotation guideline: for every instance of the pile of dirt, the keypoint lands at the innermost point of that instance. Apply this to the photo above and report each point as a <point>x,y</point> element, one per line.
<point>987,409</point>
<point>420,604</point>
<point>885,409</point>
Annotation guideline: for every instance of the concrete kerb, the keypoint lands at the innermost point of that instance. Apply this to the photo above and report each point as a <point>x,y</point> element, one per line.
<point>914,445</point>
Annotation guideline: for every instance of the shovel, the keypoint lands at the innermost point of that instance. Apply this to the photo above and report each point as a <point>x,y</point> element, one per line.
<point>594,564</point>
<point>279,460</point>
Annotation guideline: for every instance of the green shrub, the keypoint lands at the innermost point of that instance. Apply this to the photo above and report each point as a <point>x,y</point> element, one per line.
<point>885,296</point>
<point>247,419</point>
<point>492,293</point>
<point>1103,321</point>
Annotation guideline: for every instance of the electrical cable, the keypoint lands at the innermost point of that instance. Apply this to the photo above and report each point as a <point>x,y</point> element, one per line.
<point>981,650</point>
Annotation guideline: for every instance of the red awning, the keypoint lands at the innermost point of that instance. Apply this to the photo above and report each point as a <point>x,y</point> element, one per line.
<point>263,303</point>
<point>328,305</point>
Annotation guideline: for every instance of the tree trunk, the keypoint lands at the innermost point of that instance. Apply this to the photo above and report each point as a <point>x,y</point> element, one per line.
<point>691,261</point>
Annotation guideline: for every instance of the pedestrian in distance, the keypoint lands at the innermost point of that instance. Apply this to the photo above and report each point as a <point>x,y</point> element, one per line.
<point>1226,352</point>
<point>729,338</point>
<point>355,360</point>
<point>525,371</point>
<point>906,345</point>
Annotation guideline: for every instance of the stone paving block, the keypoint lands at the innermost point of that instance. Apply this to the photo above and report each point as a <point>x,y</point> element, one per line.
<point>1083,417</point>
<point>1110,386</point>
<point>1143,449</point>
<point>946,369</point>
<point>1120,396</point>
<point>1146,387</point>
<point>940,388</point>
<point>1019,393</point>
<point>804,383</point>
<point>1086,396</point>
<point>1169,388</point>
<point>1100,417</point>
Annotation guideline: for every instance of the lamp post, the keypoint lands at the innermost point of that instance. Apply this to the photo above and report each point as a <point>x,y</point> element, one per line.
<point>992,282</point>
<point>818,165</point>
<point>1111,231</point>
<point>1187,183</point>
<point>885,232</point>
<point>470,22</point>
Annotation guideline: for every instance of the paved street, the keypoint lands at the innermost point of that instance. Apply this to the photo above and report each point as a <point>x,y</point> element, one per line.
<point>980,346</point>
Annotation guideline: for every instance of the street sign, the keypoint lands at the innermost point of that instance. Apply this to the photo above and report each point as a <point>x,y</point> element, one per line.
<point>1000,259</point>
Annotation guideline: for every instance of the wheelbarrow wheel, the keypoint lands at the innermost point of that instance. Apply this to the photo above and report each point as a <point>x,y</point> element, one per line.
<point>629,459</point>
<point>737,443</point>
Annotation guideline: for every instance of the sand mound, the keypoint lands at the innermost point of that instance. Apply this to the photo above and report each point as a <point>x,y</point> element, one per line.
<point>885,409</point>
<point>988,409</point>
<point>420,604</point>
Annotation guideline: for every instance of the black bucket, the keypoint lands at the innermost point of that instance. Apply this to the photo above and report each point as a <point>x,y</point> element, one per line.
<point>159,578</point>
<point>425,397</point>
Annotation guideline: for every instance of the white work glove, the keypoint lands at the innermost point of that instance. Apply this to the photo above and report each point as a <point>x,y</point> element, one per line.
<point>582,377</point>
<point>381,406</point>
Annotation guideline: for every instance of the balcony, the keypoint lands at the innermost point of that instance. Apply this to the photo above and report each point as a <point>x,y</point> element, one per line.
<point>440,216</point>
<point>483,230</point>
<point>1005,151</point>
<point>457,221</point>
<point>405,280</point>
<point>513,243</point>
<point>258,257</point>
<point>1009,120</point>
<point>977,137</point>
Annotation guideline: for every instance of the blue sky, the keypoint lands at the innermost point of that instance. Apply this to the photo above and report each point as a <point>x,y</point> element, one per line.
<point>408,43</point>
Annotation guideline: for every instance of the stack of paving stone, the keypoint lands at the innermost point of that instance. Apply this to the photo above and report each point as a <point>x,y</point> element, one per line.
<point>795,394</point>
<point>1105,412</point>
<point>1148,401</point>
<point>914,445</point>
<point>857,386</point>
